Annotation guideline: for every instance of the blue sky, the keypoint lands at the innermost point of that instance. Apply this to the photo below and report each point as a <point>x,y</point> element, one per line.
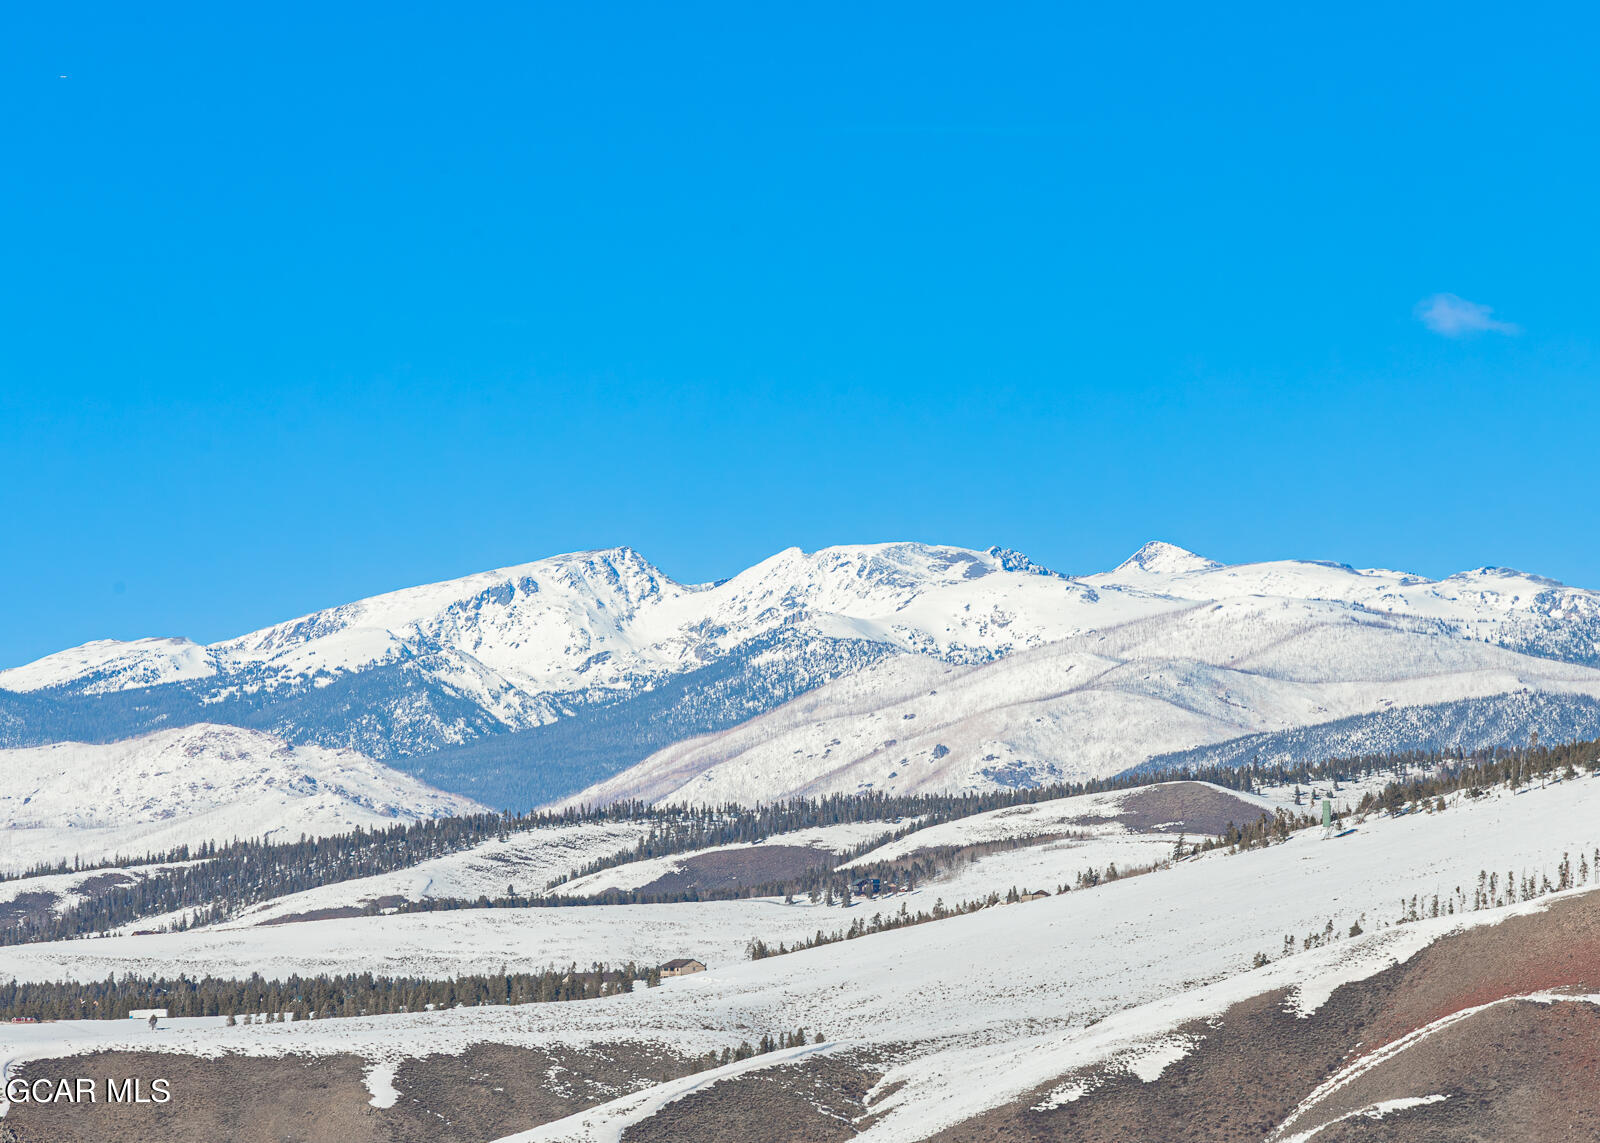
<point>301,306</point>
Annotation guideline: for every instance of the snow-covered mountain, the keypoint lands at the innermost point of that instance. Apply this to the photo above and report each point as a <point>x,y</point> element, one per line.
<point>524,640</point>
<point>1098,703</point>
<point>103,665</point>
<point>528,682</point>
<point>1523,612</point>
<point>194,784</point>
<point>600,651</point>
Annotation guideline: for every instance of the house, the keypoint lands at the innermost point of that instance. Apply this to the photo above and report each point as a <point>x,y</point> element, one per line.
<point>147,1013</point>
<point>867,885</point>
<point>1032,895</point>
<point>682,967</point>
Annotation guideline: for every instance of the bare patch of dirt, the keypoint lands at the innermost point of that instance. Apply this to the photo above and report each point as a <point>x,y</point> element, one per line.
<point>817,1099</point>
<point>487,1092</point>
<point>734,869</point>
<point>335,912</point>
<point>40,904</point>
<point>493,1090</point>
<point>25,905</point>
<point>1554,949</point>
<point>1244,1078</point>
<point>1519,1070</point>
<point>1184,807</point>
<point>332,913</point>
<point>103,883</point>
<point>242,1100</point>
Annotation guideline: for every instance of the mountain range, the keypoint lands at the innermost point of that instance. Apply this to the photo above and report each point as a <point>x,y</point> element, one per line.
<point>536,682</point>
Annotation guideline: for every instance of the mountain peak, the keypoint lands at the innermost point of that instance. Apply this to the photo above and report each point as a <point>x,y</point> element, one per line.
<point>113,664</point>
<point>1485,573</point>
<point>1012,560</point>
<point>1160,558</point>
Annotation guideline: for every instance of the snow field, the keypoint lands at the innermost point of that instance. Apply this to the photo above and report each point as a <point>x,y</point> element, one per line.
<point>1046,866</point>
<point>436,944</point>
<point>528,860</point>
<point>193,784</point>
<point>836,839</point>
<point>1086,813</point>
<point>1194,675</point>
<point>999,1002</point>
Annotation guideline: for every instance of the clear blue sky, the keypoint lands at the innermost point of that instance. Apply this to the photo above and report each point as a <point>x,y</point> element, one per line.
<point>305,302</point>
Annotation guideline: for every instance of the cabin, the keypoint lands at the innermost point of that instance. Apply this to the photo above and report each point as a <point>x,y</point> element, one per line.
<point>1034,895</point>
<point>683,966</point>
<point>868,885</point>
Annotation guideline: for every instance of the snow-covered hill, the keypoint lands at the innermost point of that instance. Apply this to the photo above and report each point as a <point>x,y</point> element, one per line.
<point>1073,1001</point>
<point>103,665</point>
<point>529,682</point>
<point>1096,704</point>
<point>193,784</point>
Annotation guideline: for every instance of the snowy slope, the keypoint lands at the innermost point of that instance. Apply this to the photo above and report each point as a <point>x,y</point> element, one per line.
<point>975,1010</point>
<point>832,840</point>
<point>1093,704</point>
<point>1084,816</point>
<point>112,665</point>
<point>606,646</point>
<point>437,944</point>
<point>197,783</point>
<point>519,649</point>
<point>606,619</point>
<point>526,861</point>
<point>1499,605</point>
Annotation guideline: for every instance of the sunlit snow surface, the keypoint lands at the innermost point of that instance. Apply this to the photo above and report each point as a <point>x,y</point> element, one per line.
<point>1192,650</point>
<point>193,784</point>
<point>998,1003</point>
<point>1091,704</point>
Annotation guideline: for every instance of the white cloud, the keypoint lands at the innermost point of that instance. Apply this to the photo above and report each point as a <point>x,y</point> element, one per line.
<point>1456,317</point>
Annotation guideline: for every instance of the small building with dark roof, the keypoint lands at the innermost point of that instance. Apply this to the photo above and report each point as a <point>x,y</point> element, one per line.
<point>682,966</point>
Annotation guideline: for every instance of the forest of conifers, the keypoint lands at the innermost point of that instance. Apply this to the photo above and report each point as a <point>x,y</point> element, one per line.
<point>209,883</point>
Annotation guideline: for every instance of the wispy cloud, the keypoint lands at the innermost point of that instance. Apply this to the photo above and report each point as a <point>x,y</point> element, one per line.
<point>1451,316</point>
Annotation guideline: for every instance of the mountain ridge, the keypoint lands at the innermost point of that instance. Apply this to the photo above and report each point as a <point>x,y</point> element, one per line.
<point>193,784</point>
<point>1185,685</point>
<point>629,660</point>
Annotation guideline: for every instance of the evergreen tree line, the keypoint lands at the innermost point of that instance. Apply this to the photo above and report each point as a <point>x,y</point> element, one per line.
<point>1089,878</point>
<point>215,882</point>
<point>824,883</point>
<point>1493,892</point>
<point>309,997</point>
<point>745,1050</point>
<point>879,923</point>
<point>1476,774</point>
<point>1265,830</point>
<point>211,882</point>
